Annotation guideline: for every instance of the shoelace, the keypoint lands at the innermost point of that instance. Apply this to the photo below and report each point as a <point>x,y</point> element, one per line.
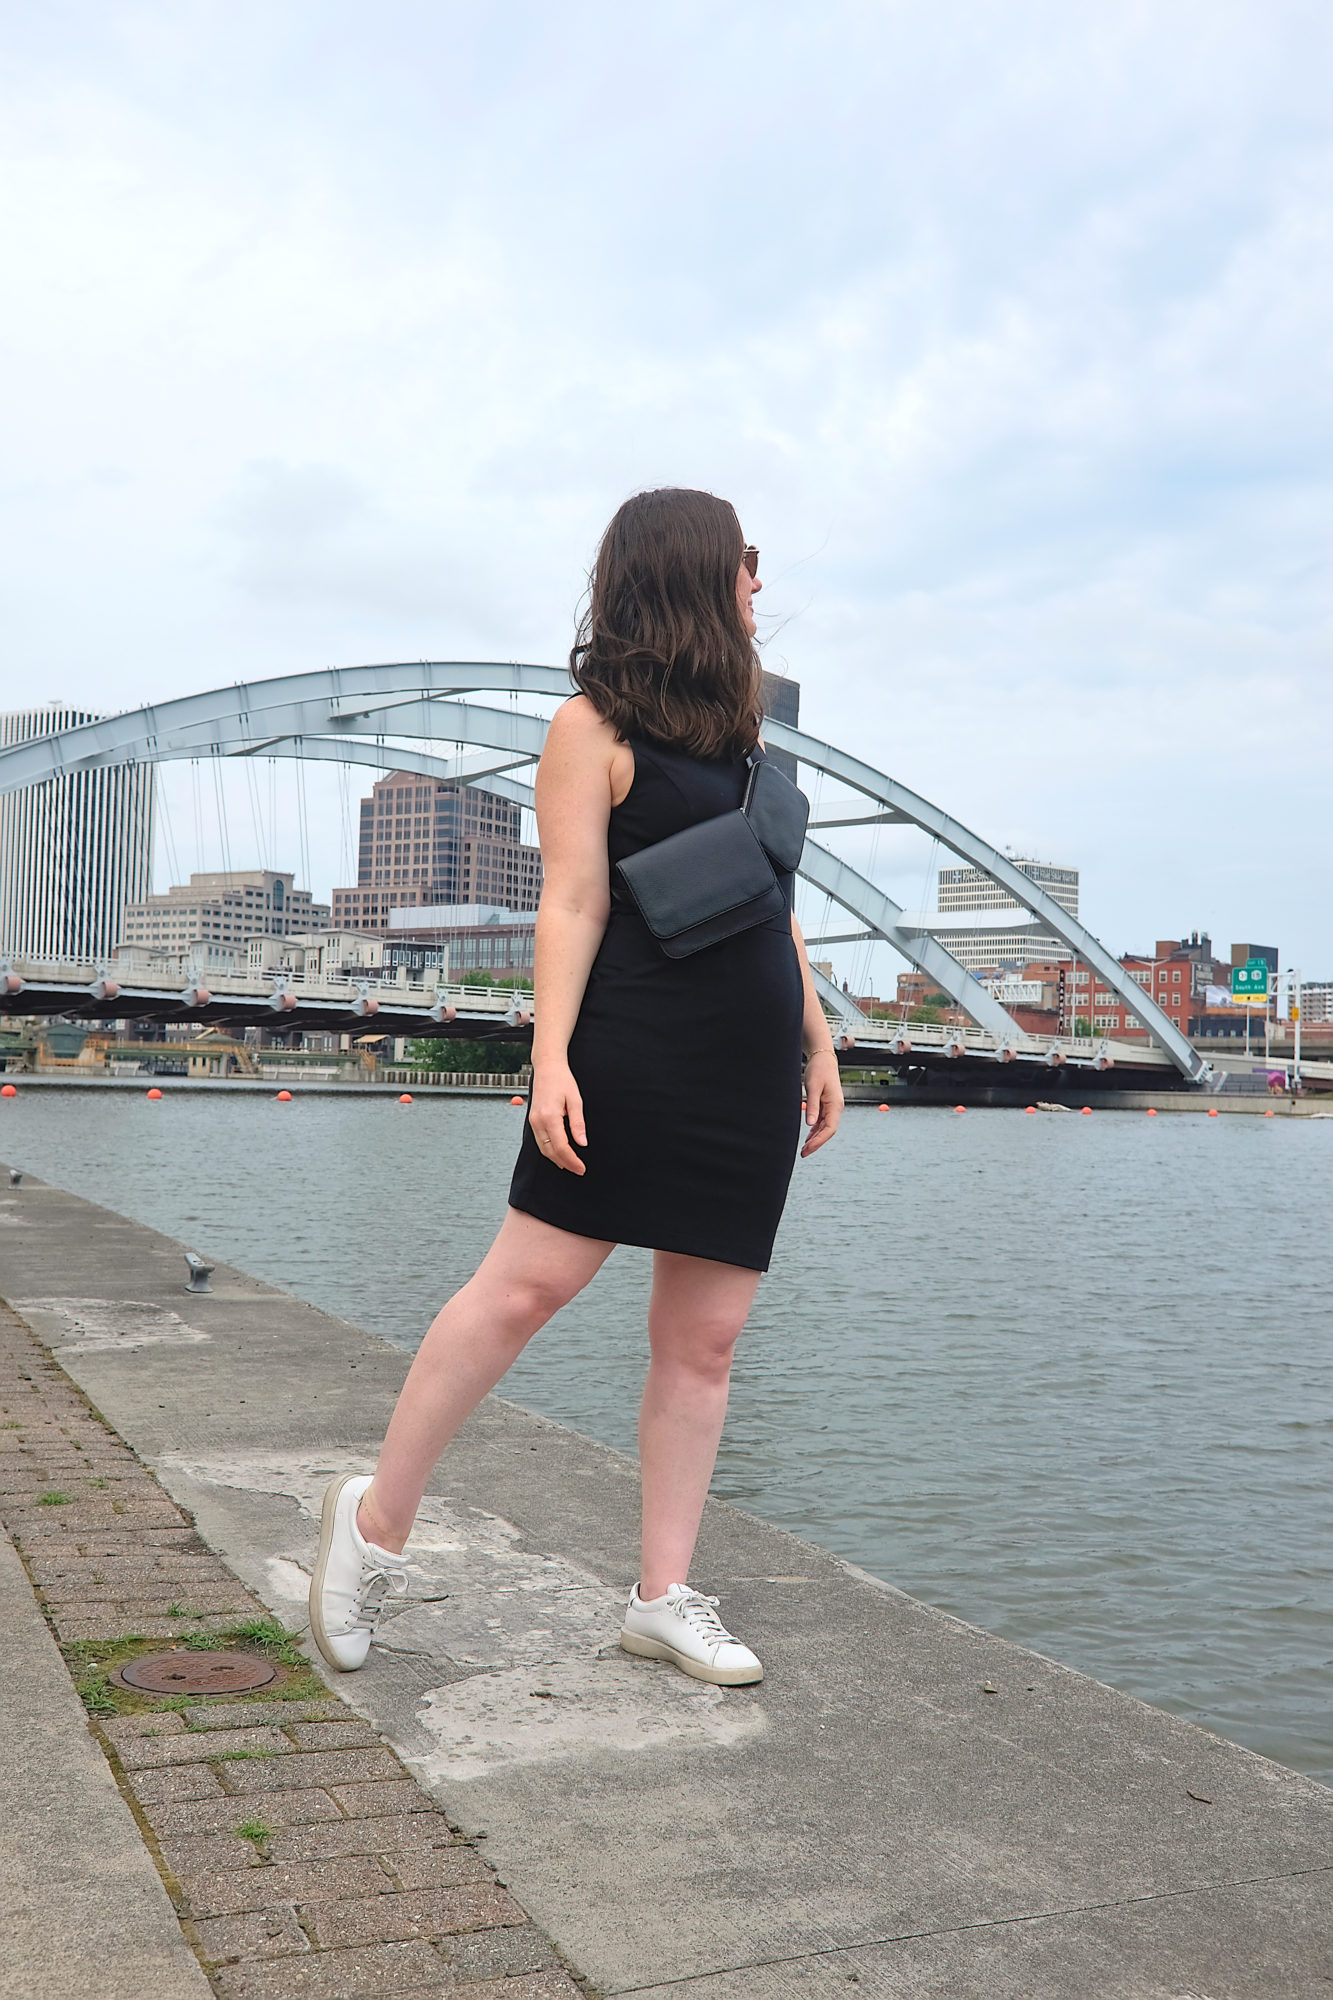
<point>700,1612</point>
<point>370,1590</point>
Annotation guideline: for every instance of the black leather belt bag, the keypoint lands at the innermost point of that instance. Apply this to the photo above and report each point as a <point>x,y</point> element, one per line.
<point>718,878</point>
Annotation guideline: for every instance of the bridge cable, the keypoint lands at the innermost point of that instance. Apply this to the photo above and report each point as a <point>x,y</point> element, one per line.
<point>351,857</point>
<point>221,809</point>
<point>197,805</point>
<point>256,815</point>
<point>818,928</point>
<point>303,827</point>
<point>173,860</point>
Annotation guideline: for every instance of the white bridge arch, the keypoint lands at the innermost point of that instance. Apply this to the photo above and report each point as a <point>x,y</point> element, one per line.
<point>356,715</point>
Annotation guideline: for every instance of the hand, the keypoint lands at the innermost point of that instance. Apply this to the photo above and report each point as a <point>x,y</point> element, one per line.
<point>823,1100</point>
<point>555,1099</point>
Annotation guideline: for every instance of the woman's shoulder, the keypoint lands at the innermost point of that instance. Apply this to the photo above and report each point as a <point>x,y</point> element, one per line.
<point>580,743</point>
<point>576,721</point>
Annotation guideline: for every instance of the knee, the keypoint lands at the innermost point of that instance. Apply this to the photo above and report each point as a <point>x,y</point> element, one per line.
<point>531,1300</point>
<point>706,1350</point>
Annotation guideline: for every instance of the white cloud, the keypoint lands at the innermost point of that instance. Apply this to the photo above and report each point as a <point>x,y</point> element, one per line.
<point>337,338</point>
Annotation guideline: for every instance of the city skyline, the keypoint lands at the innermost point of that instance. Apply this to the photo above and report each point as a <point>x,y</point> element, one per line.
<point>1035,457</point>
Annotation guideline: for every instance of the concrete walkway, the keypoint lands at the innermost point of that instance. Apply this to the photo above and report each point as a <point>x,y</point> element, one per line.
<point>906,1805</point>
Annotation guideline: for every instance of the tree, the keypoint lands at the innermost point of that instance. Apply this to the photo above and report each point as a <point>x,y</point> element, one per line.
<point>453,1058</point>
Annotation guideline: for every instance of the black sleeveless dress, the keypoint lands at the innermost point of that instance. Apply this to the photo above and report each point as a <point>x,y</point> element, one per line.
<point>690,1068</point>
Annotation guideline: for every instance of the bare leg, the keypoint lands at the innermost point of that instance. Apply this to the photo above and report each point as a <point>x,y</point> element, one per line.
<point>698,1309</point>
<point>529,1272</point>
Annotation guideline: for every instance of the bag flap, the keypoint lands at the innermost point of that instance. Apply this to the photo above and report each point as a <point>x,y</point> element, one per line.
<point>778,811</point>
<point>707,869</point>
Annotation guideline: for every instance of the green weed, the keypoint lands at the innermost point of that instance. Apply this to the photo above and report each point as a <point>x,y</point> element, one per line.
<point>97,1695</point>
<point>255,1830</point>
<point>54,1500</point>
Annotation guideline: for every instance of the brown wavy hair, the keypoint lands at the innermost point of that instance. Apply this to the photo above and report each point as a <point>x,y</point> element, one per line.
<point>661,650</point>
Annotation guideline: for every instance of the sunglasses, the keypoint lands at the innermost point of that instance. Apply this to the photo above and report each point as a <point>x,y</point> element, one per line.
<point>750,557</point>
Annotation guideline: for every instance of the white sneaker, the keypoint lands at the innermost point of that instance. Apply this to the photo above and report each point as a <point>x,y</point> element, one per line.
<point>684,1627</point>
<point>350,1578</point>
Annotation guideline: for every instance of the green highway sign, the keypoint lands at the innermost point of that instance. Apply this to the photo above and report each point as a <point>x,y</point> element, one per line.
<point>1249,982</point>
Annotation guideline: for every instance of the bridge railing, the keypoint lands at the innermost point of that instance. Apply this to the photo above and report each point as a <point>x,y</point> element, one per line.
<point>933,1037</point>
<point>129,979</point>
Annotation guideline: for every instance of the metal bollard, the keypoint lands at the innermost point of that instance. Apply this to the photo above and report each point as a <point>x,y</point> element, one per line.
<point>15,1177</point>
<point>199,1273</point>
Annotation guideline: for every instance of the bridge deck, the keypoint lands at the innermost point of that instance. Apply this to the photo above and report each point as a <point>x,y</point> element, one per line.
<point>402,1003</point>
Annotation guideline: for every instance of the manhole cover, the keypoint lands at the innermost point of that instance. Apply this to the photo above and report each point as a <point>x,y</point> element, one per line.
<point>197,1673</point>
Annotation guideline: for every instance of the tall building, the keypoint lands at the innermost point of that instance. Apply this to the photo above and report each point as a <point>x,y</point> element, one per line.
<point>74,850</point>
<point>427,842</point>
<point>223,907</point>
<point>966,888</point>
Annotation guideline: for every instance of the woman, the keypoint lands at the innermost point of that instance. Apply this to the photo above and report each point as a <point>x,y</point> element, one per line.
<point>665,1103</point>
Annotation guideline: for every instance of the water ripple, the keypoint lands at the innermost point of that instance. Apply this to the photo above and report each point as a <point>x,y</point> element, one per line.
<point>1071,1379</point>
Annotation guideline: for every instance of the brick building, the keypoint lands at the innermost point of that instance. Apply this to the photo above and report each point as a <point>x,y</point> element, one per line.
<point>427,842</point>
<point>1053,996</point>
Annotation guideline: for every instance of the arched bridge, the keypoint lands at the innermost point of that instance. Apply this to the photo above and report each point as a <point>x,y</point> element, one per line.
<point>406,716</point>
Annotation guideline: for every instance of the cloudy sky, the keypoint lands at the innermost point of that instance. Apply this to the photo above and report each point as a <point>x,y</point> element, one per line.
<point>334,333</point>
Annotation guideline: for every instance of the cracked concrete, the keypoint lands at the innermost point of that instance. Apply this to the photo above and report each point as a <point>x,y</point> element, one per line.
<point>83,1326</point>
<point>906,1804</point>
<point>539,1629</point>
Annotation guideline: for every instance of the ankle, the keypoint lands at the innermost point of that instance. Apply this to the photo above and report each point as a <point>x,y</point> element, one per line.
<point>372,1529</point>
<point>647,1596</point>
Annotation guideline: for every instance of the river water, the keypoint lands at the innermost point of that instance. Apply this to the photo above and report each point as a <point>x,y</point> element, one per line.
<point>1070,1378</point>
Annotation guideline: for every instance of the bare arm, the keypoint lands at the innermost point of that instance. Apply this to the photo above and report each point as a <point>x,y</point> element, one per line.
<point>574,795</point>
<point>823,1085</point>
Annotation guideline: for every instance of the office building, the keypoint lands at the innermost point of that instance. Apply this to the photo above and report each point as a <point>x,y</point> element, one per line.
<point>225,908</point>
<point>970,889</point>
<point>1317,1000</point>
<point>431,842</point>
<point>74,850</point>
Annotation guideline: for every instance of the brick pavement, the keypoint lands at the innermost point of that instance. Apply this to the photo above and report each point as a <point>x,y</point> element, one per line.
<point>303,1860</point>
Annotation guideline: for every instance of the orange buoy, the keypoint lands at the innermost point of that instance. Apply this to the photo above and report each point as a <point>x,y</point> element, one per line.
<point>155,1092</point>
<point>518,1100</point>
<point>960,1107</point>
<point>8,1091</point>
<point>1267,1114</point>
<point>1087,1111</point>
<point>1030,1110</point>
<point>284,1097</point>
<point>405,1098</point>
<point>1212,1111</point>
<point>881,1107</point>
<point>1152,1113</point>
